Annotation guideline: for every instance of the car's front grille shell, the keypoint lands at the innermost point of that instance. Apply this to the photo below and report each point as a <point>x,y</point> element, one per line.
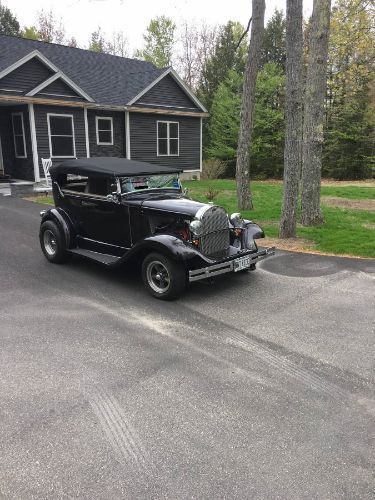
<point>215,239</point>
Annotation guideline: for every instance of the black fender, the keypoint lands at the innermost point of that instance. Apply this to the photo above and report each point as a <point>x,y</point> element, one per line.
<point>171,246</point>
<point>63,220</point>
<point>253,230</point>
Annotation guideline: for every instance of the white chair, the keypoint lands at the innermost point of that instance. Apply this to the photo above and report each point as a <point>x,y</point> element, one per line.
<point>47,164</point>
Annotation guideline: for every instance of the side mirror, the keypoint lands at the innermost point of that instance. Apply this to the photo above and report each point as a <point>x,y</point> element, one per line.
<point>185,192</point>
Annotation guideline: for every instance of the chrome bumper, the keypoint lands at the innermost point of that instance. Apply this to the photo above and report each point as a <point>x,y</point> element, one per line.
<point>228,266</point>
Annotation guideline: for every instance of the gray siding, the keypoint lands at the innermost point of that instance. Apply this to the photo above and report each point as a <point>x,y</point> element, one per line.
<point>167,93</point>
<point>143,141</point>
<point>118,147</point>
<point>26,77</point>
<point>42,130</point>
<point>19,168</point>
<point>59,90</point>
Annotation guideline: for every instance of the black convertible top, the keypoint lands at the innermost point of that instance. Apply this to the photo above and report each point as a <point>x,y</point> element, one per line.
<point>104,167</point>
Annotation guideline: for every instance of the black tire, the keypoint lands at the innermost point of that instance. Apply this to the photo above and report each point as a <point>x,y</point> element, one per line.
<point>163,278</point>
<point>52,242</point>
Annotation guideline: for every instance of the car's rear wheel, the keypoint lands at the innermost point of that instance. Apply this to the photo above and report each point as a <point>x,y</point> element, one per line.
<point>52,242</point>
<point>163,278</point>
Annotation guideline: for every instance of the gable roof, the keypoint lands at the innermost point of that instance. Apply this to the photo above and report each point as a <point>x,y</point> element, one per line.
<point>103,78</point>
<point>171,73</point>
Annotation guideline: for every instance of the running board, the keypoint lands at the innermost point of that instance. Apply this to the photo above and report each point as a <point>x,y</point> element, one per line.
<point>103,258</point>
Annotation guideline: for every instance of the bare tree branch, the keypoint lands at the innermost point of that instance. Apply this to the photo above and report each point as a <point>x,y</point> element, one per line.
<point>244,33</point>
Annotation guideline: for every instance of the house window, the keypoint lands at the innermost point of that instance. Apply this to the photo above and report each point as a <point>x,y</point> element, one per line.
<point>19,135</point>
<point>61,136</point>
<point>168,138</point>
<point>104,130</point>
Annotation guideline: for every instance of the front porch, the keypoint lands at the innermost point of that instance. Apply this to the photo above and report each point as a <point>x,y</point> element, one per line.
<point>16,151</point>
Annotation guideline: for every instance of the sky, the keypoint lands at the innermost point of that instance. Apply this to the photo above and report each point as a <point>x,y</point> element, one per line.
<point>82,17</point>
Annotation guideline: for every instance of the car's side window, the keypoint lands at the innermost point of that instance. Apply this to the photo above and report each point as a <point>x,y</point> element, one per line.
<point>98,186</point>
<point>74,183</point>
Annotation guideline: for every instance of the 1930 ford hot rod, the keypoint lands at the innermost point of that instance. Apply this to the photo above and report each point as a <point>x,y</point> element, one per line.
<point>112,210</point>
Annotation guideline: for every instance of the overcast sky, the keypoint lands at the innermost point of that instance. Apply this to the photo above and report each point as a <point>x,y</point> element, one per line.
<point>82,17</point>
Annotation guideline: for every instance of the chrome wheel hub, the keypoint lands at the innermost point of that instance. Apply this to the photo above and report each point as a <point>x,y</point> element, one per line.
<point>49,242</point>
<point>158,276</point>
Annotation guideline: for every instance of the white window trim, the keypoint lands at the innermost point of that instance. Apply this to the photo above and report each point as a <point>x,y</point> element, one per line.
<point>97,118</point>
<point>55,135</point>
<point>19,113</point>
<point>168,137</point>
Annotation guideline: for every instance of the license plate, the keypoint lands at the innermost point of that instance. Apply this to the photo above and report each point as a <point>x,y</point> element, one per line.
<point>241,263</point>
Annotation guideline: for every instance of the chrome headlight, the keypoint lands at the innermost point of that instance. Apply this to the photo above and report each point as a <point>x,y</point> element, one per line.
<point>236,220</point>
<point>195,227</point>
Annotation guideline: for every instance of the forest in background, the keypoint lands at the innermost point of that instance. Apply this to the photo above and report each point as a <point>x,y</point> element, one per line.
<point>211,60</point>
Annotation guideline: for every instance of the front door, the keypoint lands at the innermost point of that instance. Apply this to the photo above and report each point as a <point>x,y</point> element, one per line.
<point>104,221</point>
<point>96,216</point>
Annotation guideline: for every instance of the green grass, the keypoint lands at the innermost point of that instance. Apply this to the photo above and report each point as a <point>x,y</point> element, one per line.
<point>350,232</point>
<point>45,200</point>
<point>350,192</point>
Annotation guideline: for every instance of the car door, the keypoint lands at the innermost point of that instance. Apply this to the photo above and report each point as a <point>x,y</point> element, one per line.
<point>101,218</point>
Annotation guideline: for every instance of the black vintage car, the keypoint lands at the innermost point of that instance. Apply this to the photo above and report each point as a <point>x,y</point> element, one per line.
<point>112,210</point>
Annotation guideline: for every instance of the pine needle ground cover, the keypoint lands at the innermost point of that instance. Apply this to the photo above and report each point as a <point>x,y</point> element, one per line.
<point>346,231</point>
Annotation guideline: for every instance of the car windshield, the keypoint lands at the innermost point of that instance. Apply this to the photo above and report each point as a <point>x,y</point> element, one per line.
<point>148,182</point>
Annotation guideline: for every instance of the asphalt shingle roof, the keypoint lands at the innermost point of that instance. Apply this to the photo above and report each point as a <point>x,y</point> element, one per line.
<point>110,80</point>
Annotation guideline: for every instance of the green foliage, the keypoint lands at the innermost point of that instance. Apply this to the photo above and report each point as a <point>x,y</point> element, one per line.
<point>226,56</point>
<point>225,116</point>
<point>267,148</point>
<point>268,135</point>
<point>97,42</point>
<point>274,40</point>
<point>159,40</point>
<point>8,22</point>
<point>30,32</point>
<point>349,131</point>
<point>348,143</point>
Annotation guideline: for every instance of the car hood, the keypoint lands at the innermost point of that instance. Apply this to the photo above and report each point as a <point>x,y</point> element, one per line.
<point>182,206</point>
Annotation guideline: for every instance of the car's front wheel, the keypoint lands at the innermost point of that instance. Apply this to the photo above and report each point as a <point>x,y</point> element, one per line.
<point>52,242</point>
<point>163,278</point>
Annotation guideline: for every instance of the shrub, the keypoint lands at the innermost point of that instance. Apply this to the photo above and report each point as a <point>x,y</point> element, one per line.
<point>211,193</point>
<point>212,169</point>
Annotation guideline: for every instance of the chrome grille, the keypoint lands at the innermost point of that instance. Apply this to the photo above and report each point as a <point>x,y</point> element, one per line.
<point>215,241</point>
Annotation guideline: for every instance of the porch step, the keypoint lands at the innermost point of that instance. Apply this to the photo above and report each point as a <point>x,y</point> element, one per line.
<point>107,260</point>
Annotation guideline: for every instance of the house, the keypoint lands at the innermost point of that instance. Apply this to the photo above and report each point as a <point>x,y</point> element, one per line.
<point>63,102</point>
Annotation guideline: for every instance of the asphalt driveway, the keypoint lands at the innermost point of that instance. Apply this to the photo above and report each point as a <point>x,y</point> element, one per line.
<point>259,386</point>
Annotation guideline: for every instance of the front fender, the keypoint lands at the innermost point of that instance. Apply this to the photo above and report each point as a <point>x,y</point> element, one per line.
<point>171,246</point>
<point>63,220</point>
<point>253,230</point>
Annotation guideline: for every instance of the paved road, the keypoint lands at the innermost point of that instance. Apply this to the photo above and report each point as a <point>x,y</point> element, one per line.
<point>261,386</point>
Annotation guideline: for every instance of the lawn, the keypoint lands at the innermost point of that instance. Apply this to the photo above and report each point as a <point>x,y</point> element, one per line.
<point>345,232</point>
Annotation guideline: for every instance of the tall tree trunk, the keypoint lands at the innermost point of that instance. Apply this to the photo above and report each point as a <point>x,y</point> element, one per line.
<point>293,118</point>
<point>315,92</point>
<point>247,108</point>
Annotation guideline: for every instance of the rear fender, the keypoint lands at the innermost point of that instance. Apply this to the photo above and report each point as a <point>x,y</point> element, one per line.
<point>62,219</point>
